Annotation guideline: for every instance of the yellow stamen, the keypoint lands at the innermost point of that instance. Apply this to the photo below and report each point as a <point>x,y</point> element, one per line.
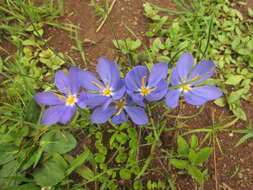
<point>61,97</point>
<point>97,85</point>
<point>69,93</point>
<point>197,77</point>
<point>71,100</point>
<point>120,105</point>
<point>185,88</point>
<point>143,83</point>
<point>107,91</point>
<point>144,91</point>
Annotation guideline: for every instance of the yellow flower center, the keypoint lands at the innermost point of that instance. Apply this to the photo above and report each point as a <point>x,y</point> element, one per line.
<point>71,100</point>
<point>105,91</point>
<point>120,105</point>
<point>185,88</point>
<point>144,91</point>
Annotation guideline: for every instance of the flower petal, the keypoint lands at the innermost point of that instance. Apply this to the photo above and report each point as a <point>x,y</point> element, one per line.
<point>62,81</point>
<point>87,80</point>
<point>108,72</point>
<point>53,114</point>
<point>174,77</point>
<point>47,98</point>
<point>82,100</point>
<point>96,99</point>
<point>67,114</point>
<point>100,115</point>
<point>184,65</point>
<point>134,77</point>
<point>137,115</point>
<point>107,103</point>
<point>136,98</point>
<point>193,99</point>
<point>204,70</point>
<point>172,98</point>
<point>159,71</point>
<point>208,92</point>
<point>74,80</point>
<point>159,93</point>
<point>118,94</point>
<point>118,119</point>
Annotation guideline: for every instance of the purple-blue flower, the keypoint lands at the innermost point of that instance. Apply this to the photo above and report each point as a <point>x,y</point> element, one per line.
<point>118,110</point>
<point>186,76</point>
<point>62,107</point>
<point>151,86</point>
<point>111,88</point>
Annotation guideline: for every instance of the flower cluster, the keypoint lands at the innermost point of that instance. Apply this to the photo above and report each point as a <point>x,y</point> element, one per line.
<point>116,98</point>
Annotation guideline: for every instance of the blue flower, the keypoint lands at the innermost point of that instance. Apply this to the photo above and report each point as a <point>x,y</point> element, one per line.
<point>111,88</point>
<point>118,110</point>
<point>62,107</point>
<point>144,85</point>
<point>186,76</point>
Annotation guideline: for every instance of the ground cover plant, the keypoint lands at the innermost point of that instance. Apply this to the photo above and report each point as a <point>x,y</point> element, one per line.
<point>160,98</point>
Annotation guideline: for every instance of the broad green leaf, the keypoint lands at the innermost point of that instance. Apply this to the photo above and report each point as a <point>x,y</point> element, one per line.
<point>250,12</point>
<point>99,158</point>
<point>51,173</point>
<point>5,157</point>
<point>180,164</point>
<point>125,173</point>
<point>85,172</point>
<point>220,102</point>
<point>234,80</point>
<point>239,113</point>
<point>202,155</point>
<point>58,141</point>
<point>78,161</point>
<point>122,138</point>
<point>183,148</point>
<point>196,174</point>
<point>192,156</point>
<point>194,141</point>
<point>24,187</point>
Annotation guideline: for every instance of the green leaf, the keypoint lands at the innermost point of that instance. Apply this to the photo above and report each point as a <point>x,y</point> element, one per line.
<point>79,160</point>
<point>183,148</point>
<point>196,174</point>
<point>125,173</point>
<point>99,158</point>
<point>192,156</point>
<point>234,80</point>
<point>202,155</point>
<point>85,172</point>
<point>239,113</point>
<point>122,138</point>
<point>51,173</point>
<point>138,185</point>
<point>24,187</point>
<point>58,141</point>
<point>194,141</point>
<point>244,138</point>
<point>220,102</point>
<point>250,12</point>
<point>180,164</point>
